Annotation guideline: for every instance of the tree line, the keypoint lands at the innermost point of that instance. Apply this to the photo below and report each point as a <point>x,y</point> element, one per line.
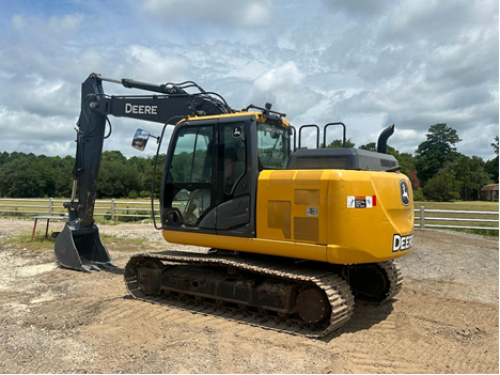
<point>30,176</point>
<point>437,171</point>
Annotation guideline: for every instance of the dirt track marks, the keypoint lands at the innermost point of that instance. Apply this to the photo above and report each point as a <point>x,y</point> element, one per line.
<point>64,321</point>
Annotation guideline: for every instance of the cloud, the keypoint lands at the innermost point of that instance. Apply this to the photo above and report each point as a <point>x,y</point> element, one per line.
<point>357,7</point>
<point>283,87</point>
<point>240,14</point>
<point>368,64</point>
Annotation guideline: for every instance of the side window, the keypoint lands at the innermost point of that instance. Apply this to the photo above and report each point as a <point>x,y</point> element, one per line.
<point>273,143</point>
<point>234,156</point>
<point>193,155</point>
<point>192,163</point>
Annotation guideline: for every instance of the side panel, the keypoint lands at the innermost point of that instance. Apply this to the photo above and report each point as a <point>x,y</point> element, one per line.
<point>357,215</point>
<point>293,206</point>
<point>366,214</point>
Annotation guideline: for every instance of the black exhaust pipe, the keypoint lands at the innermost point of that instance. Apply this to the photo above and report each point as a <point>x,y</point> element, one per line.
<point>383,137</point>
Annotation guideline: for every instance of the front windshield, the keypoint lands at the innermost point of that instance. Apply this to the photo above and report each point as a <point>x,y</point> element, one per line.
<point>274,146</point>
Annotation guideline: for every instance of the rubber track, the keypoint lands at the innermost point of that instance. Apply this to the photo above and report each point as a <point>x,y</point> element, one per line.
<point>337,290</point>
<point>395,277</point>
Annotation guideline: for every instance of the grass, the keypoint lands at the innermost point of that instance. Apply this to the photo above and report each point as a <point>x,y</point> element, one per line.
<point>23,241</point>
<point>461,206</point>
<point>112,242</point>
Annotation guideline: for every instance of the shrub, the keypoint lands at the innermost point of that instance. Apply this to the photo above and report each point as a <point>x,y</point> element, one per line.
<point>418,196</point>
<point>145,194</point>
<point>442,188</point>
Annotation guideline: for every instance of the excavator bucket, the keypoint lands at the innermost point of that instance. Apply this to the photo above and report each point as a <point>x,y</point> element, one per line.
<point>82,249</point>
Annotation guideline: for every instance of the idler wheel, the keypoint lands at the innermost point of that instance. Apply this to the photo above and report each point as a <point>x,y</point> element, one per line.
<point>313,305</point>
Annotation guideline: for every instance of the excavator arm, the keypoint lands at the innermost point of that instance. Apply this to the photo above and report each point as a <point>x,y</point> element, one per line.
<point>79,245</point>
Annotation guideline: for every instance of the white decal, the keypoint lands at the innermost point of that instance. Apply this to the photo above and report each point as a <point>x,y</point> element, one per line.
<point>402,242</point>
<point>369,202</point>
<point>140,109</point>
<point>351,201</point>
<point>236,132</point>
<point>312,211</point>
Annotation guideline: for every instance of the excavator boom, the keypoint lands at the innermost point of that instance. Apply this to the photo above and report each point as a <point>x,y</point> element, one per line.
<point>79,245</point>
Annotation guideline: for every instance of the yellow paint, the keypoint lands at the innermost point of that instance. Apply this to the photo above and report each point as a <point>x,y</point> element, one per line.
<point>328,231</point>
<point>259,117</point>
<point>304,214</point>
<point>251,245</point>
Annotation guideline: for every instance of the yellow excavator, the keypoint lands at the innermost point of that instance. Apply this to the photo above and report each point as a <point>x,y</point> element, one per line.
<point>296,234</point>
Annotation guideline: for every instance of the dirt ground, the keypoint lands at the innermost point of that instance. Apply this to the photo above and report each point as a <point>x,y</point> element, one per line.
<point>445,320</point>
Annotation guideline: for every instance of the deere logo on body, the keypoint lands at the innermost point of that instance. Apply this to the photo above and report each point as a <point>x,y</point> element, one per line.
<point>405,198</point>
<point>146,109</point>
<point>402,242</point>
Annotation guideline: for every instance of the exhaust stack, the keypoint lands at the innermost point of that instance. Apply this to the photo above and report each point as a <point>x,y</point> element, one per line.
<point>383,137</point>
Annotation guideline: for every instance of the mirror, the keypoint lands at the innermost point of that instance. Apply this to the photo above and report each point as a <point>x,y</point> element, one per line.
<point>140,139</point>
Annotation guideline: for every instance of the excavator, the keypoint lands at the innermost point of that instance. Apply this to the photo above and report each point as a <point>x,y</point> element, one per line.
<point>296,235</point>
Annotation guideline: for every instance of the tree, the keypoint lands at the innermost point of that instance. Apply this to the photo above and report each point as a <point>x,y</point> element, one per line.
<point>479,177</point>
<point>491,166</point>
<point>405,160</point>
<point>469,173</point>
<point>442,188</point>
<point>372,146</point>
<point>337,143</point>
<point>495,145</point>
<point>435,151</point>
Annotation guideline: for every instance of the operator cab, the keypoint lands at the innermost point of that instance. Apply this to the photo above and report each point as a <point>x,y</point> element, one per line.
<point>211,171</point>
<point>213,163</point>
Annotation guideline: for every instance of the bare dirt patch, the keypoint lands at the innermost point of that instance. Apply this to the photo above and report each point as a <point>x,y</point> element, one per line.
<point>445,320</point>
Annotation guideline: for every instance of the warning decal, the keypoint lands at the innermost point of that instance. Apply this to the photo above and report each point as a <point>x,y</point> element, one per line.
<point>357,201</point>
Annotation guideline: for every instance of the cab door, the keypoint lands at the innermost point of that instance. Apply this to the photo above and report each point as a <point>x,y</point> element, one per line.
<point>210,180</point>
<point>235,184</point>
<point>190,175</point>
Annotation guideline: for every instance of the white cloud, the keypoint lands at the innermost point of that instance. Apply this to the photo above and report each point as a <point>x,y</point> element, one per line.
<point>284,77</point>
<point>365,63</point>
<point>234,13</point>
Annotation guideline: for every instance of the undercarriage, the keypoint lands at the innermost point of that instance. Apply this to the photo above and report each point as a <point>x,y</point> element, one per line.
<point>303,298</point>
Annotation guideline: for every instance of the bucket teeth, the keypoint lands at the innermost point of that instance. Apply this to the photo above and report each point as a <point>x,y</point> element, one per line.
<point>86,268</point>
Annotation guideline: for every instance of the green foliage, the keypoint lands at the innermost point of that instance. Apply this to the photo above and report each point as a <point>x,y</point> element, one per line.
<point>372,146</point>
<point>442,187</point>
<point>470,174</point>
<point>495,145</point>
<point>491,166</point>
<point>435,151</point>
<point>337,143</point>
<point>29,176</point>
<point>405,160</point>
<point>418,196</point>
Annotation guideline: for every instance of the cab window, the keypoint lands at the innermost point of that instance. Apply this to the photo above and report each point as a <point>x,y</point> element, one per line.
<point>273,146</point>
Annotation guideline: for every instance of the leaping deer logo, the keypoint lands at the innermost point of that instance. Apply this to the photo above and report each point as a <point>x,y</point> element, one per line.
<point>404,193</point>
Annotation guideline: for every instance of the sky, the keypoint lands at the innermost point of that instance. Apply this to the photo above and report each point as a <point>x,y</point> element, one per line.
<point>366,63</point>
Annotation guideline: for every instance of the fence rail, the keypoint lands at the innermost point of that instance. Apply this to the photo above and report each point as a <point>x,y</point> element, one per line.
<point>114,209</point>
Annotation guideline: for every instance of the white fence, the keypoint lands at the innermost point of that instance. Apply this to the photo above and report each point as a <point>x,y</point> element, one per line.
<point>114,209</point>
<point>420,222</point>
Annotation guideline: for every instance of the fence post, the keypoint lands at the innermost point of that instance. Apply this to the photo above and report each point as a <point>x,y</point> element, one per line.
<point>50,206</point>
<point>422,217</point>
<point>112,209</point>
